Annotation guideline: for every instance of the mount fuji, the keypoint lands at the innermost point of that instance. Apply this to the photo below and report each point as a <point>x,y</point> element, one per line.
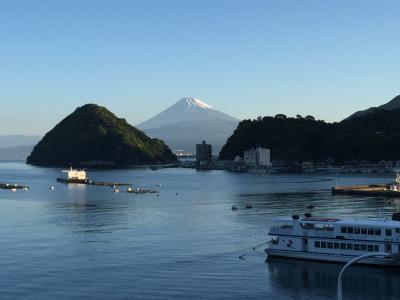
<point>188,122</point>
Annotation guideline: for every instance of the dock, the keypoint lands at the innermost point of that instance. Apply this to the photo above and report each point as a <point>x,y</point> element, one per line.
<point>141,191</point>
<point>366,190</point>
<point>110,184</point>
<point>10,186</point>
<point>90,182</point>
<point>79,177</point>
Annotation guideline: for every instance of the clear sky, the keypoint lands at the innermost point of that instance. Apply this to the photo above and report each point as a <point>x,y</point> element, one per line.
<point>246,58</point>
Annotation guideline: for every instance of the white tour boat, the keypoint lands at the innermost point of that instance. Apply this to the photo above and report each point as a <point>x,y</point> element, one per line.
<point>335,240</point>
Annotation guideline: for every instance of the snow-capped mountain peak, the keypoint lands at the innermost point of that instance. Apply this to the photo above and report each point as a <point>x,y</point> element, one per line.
<point>195,102</point>
<point>186,110</point>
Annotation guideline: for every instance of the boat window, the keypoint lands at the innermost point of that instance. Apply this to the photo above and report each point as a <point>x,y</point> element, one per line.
<point>363,230</point>
<point>343,246</point>
<point>370,248</point>
<point>377,231</point>
<point>389,232</point>
<point>370,231</point>
<point>357,230</point>
<point>349,246</point>
<point>356,247</point>
<point>286,226</point>
<point>376,248</point>
<point>336,245</point>
<point>308,226</point>
<point>330,245</point>
<point>317,244</point>
<point>363,247</point>
<point>343,229</point>
<point>324,227</point>
<point>349,229</point>
<point>323,244</point>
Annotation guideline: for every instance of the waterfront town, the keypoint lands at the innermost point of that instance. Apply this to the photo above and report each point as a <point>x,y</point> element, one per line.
<point>258,160</point>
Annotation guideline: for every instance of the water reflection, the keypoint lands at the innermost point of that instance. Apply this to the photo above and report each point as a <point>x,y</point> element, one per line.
<point>131,243</point>
<point>322,201</point>
<point>319,279</point>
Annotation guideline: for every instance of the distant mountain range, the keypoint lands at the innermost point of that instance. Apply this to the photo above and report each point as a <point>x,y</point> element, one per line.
<point>17,146</point>
<point>391,105</point>
<point>7,141</point>
<point>188,122</point>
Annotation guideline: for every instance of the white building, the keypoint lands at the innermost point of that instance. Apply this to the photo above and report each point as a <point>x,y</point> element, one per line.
<point>257,157</point>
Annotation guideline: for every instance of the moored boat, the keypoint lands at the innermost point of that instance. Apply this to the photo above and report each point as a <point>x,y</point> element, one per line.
<point>335,240</point>
<point>74,176</point>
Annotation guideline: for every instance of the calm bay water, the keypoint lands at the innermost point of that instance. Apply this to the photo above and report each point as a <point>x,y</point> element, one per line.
<point>88,242</point>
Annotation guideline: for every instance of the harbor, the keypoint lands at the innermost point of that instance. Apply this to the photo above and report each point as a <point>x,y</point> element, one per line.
<point>197,228</point>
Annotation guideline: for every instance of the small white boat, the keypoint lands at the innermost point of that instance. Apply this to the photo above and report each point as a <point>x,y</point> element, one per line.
<point>335,240</point>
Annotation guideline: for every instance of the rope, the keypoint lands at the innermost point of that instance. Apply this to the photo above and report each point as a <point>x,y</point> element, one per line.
<point>254,248</point>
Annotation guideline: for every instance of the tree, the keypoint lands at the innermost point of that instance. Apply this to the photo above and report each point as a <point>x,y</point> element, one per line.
<point>280,116</point>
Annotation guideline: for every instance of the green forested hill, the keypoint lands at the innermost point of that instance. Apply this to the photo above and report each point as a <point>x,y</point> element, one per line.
<point>93,133</point>
<point>372,137</point>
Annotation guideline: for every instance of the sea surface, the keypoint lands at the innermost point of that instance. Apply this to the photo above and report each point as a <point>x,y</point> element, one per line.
<point>87,242</point>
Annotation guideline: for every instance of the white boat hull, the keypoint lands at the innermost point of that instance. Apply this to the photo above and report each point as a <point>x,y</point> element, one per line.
<point>335,258</point>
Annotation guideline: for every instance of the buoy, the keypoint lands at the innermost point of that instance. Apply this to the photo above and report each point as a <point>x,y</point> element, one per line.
<point>129,190</point>
<point>234,207</point>
<point>51,188</point>
<point>116,190</point>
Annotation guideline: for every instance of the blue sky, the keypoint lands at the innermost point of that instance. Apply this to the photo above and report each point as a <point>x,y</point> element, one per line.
<point>247,58</point>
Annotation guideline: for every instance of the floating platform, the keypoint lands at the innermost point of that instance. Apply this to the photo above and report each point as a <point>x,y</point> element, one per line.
<point>366,190</point>
<point>89,182</point>
<point>158,167</point>
<point>9,186</point>
<point>141,191</point>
